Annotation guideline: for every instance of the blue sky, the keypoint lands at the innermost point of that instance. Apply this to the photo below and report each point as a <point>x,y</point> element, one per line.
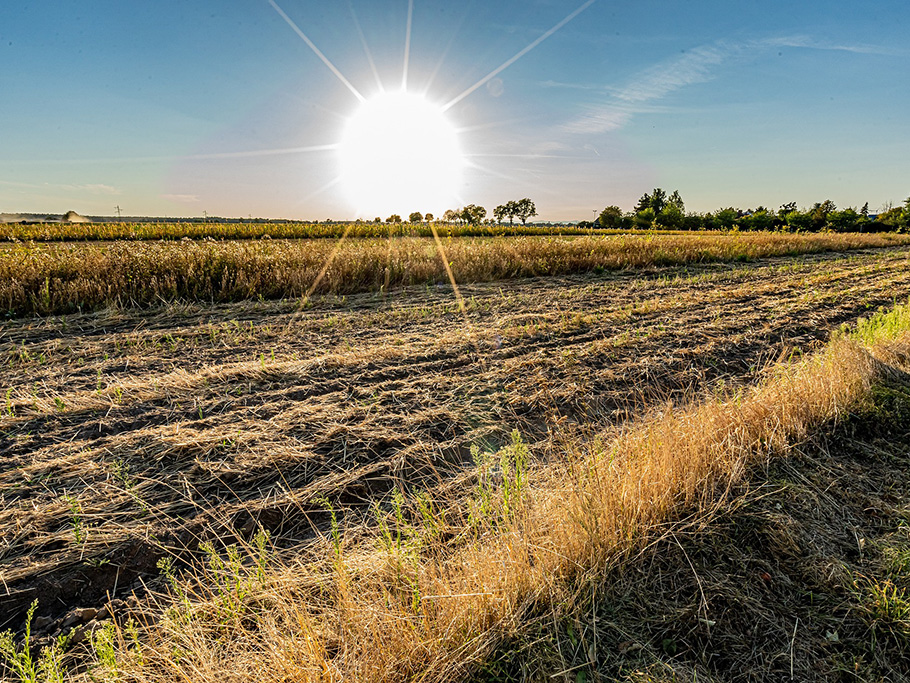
<point>175,108</point>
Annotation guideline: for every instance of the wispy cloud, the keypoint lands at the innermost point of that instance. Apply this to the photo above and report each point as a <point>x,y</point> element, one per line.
<point>90,188</point>
<point>813,44</point>
<point>698,65</point>
<point>181,198</point>
<point>651,85</point>
<point>93,188</point>
<point>660,80</point>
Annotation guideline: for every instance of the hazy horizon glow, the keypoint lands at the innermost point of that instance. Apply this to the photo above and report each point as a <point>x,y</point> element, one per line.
<point>247,108</point>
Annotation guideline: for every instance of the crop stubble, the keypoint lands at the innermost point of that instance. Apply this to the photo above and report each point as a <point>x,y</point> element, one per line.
<point>155,430</point>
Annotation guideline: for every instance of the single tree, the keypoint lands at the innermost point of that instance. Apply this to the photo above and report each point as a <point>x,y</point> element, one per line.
<point>502,211</point>
<point>524,209</point>
<point>428,218</point>
<point>449,216</point>
<point>677,201</point>
<point>789,207</point>
<point>394,218</point>
<point>610,218</point>
<point>473,214</point>
<point>415,217</point>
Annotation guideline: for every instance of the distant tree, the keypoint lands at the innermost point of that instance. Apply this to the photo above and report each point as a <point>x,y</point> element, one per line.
<point>865,210</point>
<point>644,219</point>
<point>428,218</point>
<point>473,214</point>
<point>450,216</point>
<point>657,200</point>
<point>377,220</point>
<point>789,207</point>
<point>394,218</point>
<point>503,210</point>
<point>693,221</point>
<point>525,209</point>
<point>670,217</point>
<point>760,219</point>
<point>798,221</point>
<point>844,221</point>
<point>820,212</point>
<point>725,219</point>
<point>415,217</point>
<point>610,218</point>
<point>677,201</point>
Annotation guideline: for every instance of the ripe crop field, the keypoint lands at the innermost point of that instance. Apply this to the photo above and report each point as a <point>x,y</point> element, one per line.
<point>61,278</point>
<point>68,232</point>
<point>134,435</point>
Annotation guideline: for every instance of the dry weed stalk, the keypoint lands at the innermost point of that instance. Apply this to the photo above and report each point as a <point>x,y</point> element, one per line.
<point>446,586</point>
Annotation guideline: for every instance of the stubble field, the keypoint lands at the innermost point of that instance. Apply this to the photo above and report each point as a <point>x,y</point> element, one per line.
<point>132,435</point>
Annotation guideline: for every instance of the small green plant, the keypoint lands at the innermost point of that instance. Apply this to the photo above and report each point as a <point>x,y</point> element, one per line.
<point>334,528</point>
<point>181,610</point>
<point>48,668</point>
<point>80,530</point>
<point>9,403</point>
<point>233,578</point>
<point>494,505</point>
<point>103,642</point>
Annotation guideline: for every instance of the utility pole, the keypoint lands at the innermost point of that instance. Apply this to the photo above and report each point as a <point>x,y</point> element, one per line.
<point>117,209</point>
<point>205,216</point>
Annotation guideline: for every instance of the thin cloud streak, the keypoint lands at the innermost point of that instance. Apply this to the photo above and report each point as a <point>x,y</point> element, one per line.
<point>91,188</point>
<point>180,157</point>
<point>696,66</point>
<point>809,43</point>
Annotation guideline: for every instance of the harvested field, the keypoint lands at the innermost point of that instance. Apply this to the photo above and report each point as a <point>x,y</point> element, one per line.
<point>128,436</point>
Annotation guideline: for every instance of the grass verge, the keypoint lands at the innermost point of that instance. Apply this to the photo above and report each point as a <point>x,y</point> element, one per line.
<point>433,585</point>
<point>50,278</point>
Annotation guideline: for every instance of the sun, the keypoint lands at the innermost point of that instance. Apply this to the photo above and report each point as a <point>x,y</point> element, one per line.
<point>399,153</point>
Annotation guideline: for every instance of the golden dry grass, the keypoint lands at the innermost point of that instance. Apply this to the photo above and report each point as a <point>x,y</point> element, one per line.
<point>44,279</point>
<point>443,591</point>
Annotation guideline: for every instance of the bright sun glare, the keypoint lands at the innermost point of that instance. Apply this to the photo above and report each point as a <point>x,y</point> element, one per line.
<point>400,154</point>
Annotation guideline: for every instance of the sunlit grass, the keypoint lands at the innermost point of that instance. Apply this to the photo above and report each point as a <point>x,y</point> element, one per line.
<point>44,279</point>
<point>439,583</point>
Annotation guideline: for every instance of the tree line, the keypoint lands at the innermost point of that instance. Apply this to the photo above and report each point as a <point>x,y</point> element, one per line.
<point>473,214</point>
<point>658,210</point>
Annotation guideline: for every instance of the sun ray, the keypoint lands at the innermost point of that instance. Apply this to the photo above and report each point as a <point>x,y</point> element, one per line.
<point>366,48</point>
<point>509,62</point>
<point>448,267</point>
<point>317,51</point>
<point>448,48</point>
<point>319,190</point>
<point>407,45</point>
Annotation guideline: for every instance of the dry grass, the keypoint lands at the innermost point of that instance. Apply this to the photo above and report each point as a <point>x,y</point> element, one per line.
<point>442,591</point>
<point>192,423</point>
<point>44,279</point>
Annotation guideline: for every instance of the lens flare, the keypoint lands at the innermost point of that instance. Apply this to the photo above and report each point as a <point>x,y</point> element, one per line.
<point>398,154</point>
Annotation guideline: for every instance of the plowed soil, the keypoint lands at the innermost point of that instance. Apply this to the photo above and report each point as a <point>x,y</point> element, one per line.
<point>128,435</point>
